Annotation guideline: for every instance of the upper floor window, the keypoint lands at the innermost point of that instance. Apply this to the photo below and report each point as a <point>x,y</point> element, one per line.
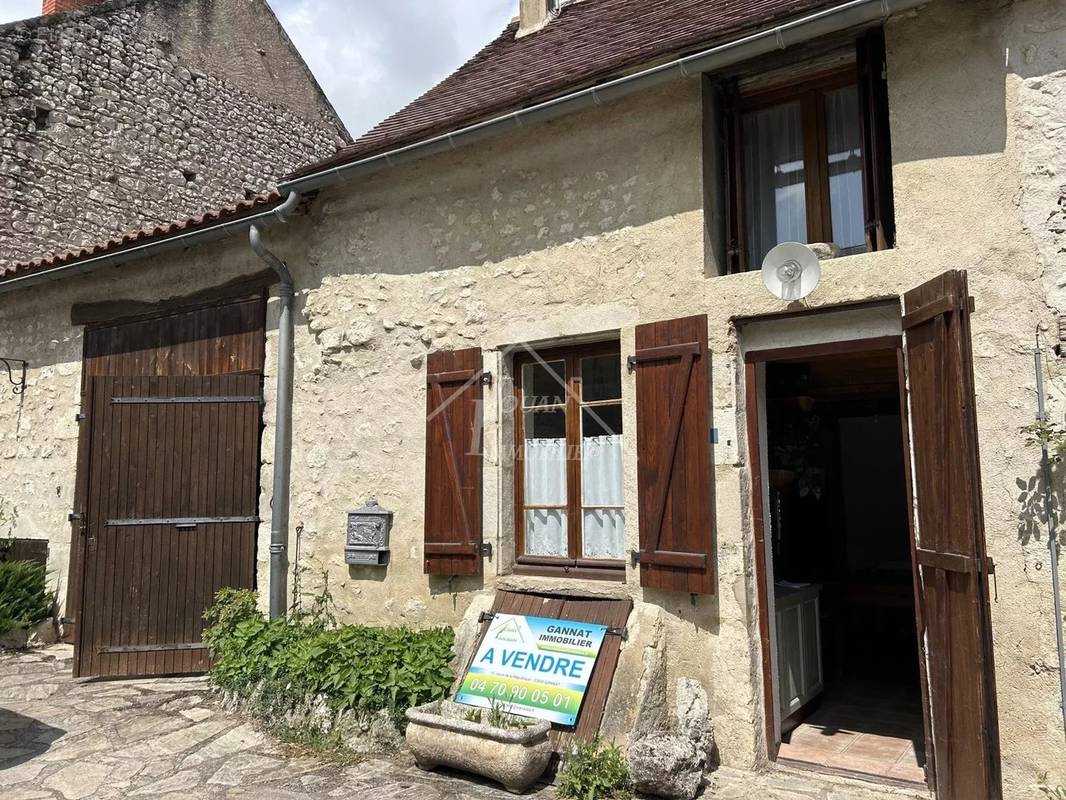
<point>810,162</point>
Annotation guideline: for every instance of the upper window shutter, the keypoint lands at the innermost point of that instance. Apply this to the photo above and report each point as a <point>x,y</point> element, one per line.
<point>675,467</point>
<point>877,142</point>
<point>453,463</point>
<point>734,195</point>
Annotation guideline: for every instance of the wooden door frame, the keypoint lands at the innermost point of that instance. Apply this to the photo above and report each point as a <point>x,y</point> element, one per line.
<point>110,314</point>
<point>757,478</point>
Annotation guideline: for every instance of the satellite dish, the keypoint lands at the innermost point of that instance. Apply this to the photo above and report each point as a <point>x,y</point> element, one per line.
<point>791,271</point>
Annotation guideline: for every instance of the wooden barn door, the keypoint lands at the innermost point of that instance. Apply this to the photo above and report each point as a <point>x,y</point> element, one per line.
<point>949,527</point>
<point>166,508</point>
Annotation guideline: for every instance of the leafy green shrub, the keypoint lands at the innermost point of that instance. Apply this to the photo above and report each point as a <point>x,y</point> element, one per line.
<point>593,771</point>
<point>24,596</point>
<point>304,657</point>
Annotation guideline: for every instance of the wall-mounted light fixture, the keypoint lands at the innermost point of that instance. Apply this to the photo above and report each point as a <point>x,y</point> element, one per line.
<point>16,374</point>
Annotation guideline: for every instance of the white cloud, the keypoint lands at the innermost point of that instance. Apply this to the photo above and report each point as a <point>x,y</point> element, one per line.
<point>372,57</point>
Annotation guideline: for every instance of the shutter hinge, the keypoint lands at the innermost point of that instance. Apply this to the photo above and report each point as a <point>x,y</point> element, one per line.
<point>486,549</point>
<point>631,363</point>
<point>618,632</point>
<point>634,557</point>
<point>73,517</point>
<point>79,417</point>
<point>486,378</point>
<point>484,617</point>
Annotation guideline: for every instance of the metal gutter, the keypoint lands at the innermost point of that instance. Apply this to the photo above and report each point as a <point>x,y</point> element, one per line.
<point>149,248</point>
<point>279,512</point>
<point>852,14</point>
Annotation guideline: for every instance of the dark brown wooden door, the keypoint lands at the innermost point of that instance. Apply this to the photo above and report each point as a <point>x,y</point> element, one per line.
<point>171,519</point>
<point>949,527</point>
<point>157,463</point>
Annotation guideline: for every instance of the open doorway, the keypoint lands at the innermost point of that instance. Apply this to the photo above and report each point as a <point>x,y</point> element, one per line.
<point>844,647</point>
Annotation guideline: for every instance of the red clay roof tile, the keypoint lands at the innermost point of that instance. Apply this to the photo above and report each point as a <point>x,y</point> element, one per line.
<point>589,42</point>
<point>245,208</point>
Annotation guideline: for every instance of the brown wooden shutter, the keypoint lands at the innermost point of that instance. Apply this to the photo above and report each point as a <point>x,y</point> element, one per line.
<point>674,469</point>
<point>453,463</point>
<point>877,141</point>
<point>734,194</point>
<point>949,525</point>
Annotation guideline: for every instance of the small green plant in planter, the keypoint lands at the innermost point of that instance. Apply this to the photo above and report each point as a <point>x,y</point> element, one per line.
<point>24,596</point>
<point>594,770</point>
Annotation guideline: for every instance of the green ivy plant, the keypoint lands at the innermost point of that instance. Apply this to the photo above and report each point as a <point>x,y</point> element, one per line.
<point>24,596</point>
<point>306,656</point>
<point>594,770</point>
<point>1045,432</point>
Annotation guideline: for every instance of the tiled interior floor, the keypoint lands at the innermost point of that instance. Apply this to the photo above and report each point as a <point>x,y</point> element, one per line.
<point>871,729</point>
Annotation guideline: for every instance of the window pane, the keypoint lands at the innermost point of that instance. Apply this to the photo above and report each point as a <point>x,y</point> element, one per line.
<point>544,458</point>
<point>844,137</point>
<point>543,384</point>
<point>546,533</point>
<point>601,482</point>
<point>601,470</point>
<point>604,533</point>
<point>601,378</point>
<point>601,421</point>
<point>774,180</point>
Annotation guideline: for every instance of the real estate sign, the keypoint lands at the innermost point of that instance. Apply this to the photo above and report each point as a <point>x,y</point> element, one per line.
<point>533,666</point>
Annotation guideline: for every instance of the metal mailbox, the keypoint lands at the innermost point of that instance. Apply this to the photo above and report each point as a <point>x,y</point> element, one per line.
<point>368,535</point>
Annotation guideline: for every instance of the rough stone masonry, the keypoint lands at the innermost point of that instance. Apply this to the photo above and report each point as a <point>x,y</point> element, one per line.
<point>132,113</point>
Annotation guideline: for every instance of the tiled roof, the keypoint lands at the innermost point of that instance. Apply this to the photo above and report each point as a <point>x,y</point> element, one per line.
<point>245,208</point>
<point>589,42</point>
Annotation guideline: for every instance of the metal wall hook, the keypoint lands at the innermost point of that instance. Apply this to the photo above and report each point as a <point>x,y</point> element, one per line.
<point>16,373</point>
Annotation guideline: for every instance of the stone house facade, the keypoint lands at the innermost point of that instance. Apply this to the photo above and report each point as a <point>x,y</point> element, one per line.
<point>579,232</point>
<point>123,115</point>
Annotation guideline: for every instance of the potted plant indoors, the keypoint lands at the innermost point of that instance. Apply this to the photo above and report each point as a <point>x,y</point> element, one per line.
<point>493,743</point>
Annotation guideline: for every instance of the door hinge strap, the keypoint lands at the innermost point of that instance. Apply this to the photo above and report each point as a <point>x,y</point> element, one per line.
<point>180,522</point>
<point>662,353</point>
<point>954,562</point>
<point>669,558</point>
<point>131,401</point>
<point>149,648</point>
<point>922,314</point>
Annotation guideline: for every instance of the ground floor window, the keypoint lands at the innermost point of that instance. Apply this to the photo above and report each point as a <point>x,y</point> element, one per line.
<point>568,448</point>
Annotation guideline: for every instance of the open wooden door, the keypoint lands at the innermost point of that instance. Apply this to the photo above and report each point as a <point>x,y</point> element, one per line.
<point>949,528</point>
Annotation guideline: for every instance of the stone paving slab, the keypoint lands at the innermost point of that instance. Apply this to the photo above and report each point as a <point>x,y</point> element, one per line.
<point>66,739</point>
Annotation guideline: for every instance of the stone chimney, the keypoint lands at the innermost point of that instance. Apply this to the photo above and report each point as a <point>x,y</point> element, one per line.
<point>534,15</point>
<point>57,6</point>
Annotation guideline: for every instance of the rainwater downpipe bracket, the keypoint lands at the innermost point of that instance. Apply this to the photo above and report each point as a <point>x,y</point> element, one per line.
<point>279,517</point>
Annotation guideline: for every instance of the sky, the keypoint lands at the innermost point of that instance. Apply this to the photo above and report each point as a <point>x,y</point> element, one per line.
<point>372,57</point>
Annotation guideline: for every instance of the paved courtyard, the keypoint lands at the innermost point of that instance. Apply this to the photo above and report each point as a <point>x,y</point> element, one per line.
<point>72,739</point>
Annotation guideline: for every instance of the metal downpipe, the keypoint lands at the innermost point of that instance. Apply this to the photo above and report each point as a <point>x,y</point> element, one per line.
<point>279,517</point>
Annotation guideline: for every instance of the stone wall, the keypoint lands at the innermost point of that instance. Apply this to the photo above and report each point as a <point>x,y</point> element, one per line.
<point>591,225</point>
<point>130,114</point>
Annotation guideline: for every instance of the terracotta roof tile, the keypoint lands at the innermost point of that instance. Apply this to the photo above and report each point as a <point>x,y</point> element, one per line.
<point>589,42</point>
<point>245,208</point>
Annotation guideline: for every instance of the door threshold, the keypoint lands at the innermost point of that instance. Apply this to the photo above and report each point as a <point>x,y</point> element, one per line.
<point>921,790</point>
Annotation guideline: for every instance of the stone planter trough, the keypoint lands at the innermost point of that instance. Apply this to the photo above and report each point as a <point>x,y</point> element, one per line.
<point>437,735</point>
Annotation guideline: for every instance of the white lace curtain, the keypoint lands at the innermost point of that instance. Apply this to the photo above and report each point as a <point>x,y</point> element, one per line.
<point>601,485</point>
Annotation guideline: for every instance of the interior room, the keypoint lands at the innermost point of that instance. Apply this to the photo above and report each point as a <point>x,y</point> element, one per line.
<point>845,636</point>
